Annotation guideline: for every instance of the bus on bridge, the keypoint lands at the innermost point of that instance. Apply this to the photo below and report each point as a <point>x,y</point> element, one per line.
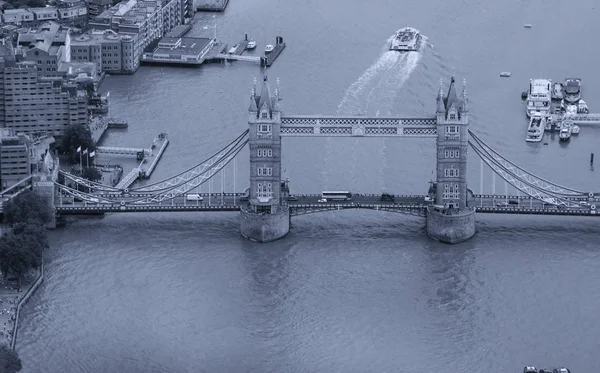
<point>336,195</point>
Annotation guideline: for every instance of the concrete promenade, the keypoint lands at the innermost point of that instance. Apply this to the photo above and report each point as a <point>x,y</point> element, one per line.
<point>10,298</point>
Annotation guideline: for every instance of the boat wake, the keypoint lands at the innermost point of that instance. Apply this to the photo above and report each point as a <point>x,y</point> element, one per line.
<point>374,94</point>
<point>376,89</point>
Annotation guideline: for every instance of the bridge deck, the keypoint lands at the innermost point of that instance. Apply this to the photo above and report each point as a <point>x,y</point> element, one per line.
<point>328,125</point>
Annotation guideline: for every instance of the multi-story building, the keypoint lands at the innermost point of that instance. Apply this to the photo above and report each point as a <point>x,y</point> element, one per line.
<point>32,104</point>
<point>149,20</point>
<point>111,52</point>
<point>18,16</point>
<point>35,105</point>
<point>73,12</point>
<point>67,12</point>
<point>96,7</point>
<point>45,14</point>
<point>15,158</point>
<point>48,46</point>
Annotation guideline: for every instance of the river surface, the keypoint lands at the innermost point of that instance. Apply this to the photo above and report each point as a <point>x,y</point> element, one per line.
<point>345,291</point>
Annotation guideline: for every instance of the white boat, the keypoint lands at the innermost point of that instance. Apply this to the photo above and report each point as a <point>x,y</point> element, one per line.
<point>582,107</point>
<point>575,130</point>
<point>571,110</point>
<point>566,130</point>
<point>572,90</point>
<point>539,96</point>
<point>251,44</point>
<point>528,25</point>
<point>406,40</point>
<point>269,48</point>
<point>505,74</point>
<point>557,91</point>
<point>233,49</point>
<point>535,130</point>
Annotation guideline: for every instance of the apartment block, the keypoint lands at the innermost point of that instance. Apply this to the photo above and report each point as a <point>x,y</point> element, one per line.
<point>18,16</point>
<point>48,46</point>
<point>15,158</point>
<point>111,52</point>
<point>148,20</point>
<point>36,105</point>
<point>96,7</point>
<point>66,12</point>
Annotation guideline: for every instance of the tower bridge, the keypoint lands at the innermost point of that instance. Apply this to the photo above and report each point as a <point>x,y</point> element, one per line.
<point>267,205</point>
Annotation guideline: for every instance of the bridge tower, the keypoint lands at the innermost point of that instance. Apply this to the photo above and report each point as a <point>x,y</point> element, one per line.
<point>266,217</point>
<point>450,219</point>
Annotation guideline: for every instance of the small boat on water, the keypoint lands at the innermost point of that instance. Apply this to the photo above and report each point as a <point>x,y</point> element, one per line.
<point>575,130</point>
<point>582,107</point>
<point>571,110</point>
<point>572,90</point>
<point>566,130</point>
<point>233,49</point>
<point>528,25</point>
<point>505,74</point>
<point>558,91</point>
<point>535,130</point>
<point>269,48</point>
<point>406,40</point>
<point>251,44</point>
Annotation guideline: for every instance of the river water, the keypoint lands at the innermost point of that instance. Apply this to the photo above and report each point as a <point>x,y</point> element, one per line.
<point>346,291</point>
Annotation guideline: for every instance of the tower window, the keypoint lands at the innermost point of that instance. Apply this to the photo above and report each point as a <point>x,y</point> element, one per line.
<point>265,171</point>
<point>264,115</point>
<point>453,116</point>
<point>452,130</point>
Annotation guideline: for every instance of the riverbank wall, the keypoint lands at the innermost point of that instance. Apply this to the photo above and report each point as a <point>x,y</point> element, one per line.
<point>23,301</point>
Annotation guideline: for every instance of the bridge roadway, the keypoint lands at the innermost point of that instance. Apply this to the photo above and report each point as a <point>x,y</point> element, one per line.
<point>304,204</point>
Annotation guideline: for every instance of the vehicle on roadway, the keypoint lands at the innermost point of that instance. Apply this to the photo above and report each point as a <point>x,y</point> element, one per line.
<point>193,197</point>
<point>322,200</point>
<point>336,195</point>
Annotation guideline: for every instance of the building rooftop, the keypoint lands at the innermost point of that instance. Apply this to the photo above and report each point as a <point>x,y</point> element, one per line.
<point>11,12</point>
<point>193,46</point>
<point>50,33</point>
<point>97,36</point>
<point>130,12</point>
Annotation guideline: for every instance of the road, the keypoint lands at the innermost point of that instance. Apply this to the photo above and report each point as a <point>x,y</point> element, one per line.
<point>229,202</point>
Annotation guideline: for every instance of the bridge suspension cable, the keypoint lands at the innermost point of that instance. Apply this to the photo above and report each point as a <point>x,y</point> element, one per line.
<point>156,196</point>
<point>524,174</point>
<point>195,171</point>
<point>89,184</point>
<point>200,179</point>
<point>525,187</point>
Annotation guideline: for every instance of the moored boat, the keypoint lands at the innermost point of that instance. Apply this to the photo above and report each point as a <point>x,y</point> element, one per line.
<point>557,91</point>
<point>582,107</point>
<point>572,90</point>
<point>535,130</point>
<point>566,130</point>
<point>539,96</point>
<point>269,48</point>
<point>251,44</point>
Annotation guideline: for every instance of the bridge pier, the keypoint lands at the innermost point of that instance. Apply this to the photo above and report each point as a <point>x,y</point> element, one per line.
<point>266,217</point>
<point>264,227</point>
<point>451,226</point>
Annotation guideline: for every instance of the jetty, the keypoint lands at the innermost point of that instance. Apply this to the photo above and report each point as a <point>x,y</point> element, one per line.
<point>270,57</point>
<point>212,6</point>
<point>140,172</point>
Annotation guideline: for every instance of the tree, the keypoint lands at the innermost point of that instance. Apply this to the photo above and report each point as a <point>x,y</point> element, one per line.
<point>77,136</point>
<point>92,173</point>
<point>9,360</point>
<point>28,206</point>
<point>21,249</point>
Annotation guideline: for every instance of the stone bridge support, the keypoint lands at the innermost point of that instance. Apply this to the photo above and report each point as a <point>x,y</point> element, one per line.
<point>266,217</point>
<point>450,219</point>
